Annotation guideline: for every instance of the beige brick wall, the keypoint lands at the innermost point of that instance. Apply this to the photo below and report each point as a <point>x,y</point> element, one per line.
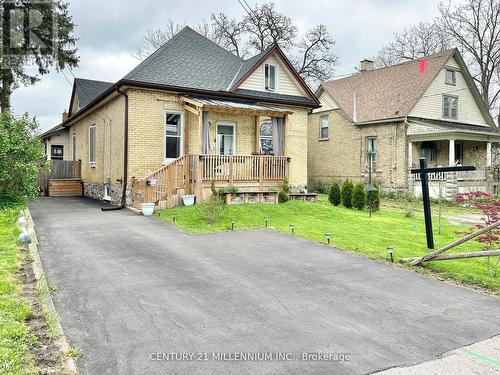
<point>343,155</point>
<point>146,136</point>
<point>109,122</point>
<point>146,144</point>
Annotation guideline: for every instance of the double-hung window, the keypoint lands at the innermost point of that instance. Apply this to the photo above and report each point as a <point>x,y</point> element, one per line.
<point>270,77</point>
<point>323,127</point>
<point>266,137</point>
<point>92,145</point>
<point>173,135</point>
<point>450,107</point>
<point>371,151</point>
<point>73,146</point>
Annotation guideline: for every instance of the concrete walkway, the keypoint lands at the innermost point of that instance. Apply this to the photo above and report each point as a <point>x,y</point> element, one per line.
<point>138,296</point>
<point>482,358</point>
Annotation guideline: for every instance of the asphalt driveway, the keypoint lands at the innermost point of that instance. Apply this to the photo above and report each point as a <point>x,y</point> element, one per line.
<point>132,290</point>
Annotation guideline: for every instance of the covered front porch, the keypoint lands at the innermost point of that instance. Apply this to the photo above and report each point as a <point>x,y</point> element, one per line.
<point>236,146</point>
<point>442,146</point>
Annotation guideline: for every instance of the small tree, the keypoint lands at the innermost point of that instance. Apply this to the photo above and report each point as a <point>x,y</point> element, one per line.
<point>346,194</point>
<point>490,207</point>
<point>21,157</point>
<point>358,196</point>
<point>283,194</point>
<point>334,194</point>
<point>373,198</point>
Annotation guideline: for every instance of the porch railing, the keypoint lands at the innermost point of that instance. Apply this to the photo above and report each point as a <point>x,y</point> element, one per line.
<point>243,168</point>
<point>477,175</point>
<point>190,171</point>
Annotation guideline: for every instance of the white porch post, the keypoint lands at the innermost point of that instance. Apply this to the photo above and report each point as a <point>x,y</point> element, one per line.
<point>451,153</point>
<point>488,154</point>
<point>410,154</point>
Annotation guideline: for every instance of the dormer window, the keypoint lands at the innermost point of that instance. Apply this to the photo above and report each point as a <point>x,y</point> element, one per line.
<point>450,78</point>
<point>270,77</point>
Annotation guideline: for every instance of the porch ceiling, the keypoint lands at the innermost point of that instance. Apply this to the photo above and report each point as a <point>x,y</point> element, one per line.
<point>227,106</point>
<point>437,130</point>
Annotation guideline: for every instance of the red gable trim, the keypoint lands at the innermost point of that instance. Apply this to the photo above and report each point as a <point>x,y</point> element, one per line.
<point>287,63</point>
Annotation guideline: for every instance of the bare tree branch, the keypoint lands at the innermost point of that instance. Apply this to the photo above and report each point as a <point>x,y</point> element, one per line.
<point>420,40</point>
<point>317,62</point>
<point>228,32</point>
<point>475,26</point>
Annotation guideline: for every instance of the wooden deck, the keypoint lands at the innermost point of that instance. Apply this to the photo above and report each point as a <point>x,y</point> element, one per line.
<point>65,188</point>
<point>193,174</point>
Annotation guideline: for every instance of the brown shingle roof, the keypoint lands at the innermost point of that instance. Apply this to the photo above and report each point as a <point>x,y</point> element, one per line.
<point>387,92</point>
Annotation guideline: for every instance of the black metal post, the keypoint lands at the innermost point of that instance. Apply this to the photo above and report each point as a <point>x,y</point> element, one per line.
<point>427,203</point>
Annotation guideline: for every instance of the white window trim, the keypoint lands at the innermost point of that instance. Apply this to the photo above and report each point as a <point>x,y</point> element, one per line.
<point>261,137</point>
<point>92,163</point>
<point>276,72</point>
<point>374,160</point>
<point>107,197</point>
<point>321,126</point>
<point>225,123</point>
<point>442,107</point>
<point>181,137</point>
<point>73,147</point>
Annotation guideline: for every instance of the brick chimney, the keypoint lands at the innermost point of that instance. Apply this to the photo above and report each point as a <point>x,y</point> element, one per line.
<point>366,65</point>
<point>64,116</point>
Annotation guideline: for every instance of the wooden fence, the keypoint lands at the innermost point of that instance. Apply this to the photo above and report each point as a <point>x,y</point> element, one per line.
<point>59,170</point>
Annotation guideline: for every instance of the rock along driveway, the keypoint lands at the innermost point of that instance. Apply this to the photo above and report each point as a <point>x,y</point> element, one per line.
<point>131,287</point>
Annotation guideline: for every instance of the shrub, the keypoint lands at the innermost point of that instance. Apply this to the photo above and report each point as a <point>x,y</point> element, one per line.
<point>283,194</point>
<point>346,193</point>
<point>358,196</point>
<point>282,197</point>
<point>213,210</point>
<point>334,194</point>
<point>21,157</point>
<point>317,186</point>
<point>374,198</point>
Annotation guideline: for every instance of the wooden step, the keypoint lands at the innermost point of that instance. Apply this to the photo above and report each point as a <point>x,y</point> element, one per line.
<point>65,188</point>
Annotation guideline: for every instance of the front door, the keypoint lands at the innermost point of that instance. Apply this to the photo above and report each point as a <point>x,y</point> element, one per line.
<point>226,138</point>
<point>173,135</point>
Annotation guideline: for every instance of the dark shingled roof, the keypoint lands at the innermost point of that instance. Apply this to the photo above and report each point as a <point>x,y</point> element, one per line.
<point>188,60</point>
<point>88,89</point>
<point>52,130</point>
<point>300,100</point>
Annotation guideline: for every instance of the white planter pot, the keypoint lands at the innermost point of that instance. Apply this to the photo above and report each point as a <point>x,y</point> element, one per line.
<point>188,200</point>
<point>147,208</point>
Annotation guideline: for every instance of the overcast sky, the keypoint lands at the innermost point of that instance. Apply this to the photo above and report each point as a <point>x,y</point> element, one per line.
<point>110,30</point>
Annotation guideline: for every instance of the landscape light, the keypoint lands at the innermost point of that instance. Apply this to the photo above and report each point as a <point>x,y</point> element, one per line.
<point>232,224</point>
<point>328,235</point>
<point>292,227</point>
<point>174,216</point>
<point>266,221</point>
<point>390,249</point>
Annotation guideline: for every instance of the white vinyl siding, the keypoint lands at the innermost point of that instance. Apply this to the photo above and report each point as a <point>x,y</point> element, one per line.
<point>287,84</point>
<point>430,104</point>
<point>327,103</point>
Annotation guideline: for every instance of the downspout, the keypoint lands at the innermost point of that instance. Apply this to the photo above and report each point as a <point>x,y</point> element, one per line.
<point>125,156</point>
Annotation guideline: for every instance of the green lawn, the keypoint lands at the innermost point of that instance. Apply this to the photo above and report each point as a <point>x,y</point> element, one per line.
<point>351,230</point>
<point>14,311</point>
